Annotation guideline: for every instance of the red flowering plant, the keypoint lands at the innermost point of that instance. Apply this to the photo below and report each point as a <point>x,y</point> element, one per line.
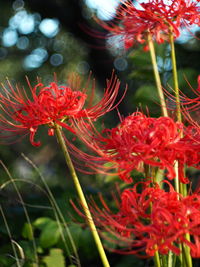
<point>154,220</point>
<point>55,106</point>
<point>159,18</point>
<point>50,105</point>
<point>139,141</point>
<point>153,21</point>
<point>151,220</point>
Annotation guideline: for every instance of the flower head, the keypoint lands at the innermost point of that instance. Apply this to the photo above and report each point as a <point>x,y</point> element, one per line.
<point>157,17</point>
<point>138,141</point>
<point>151,220</point>
<point>50,105</point>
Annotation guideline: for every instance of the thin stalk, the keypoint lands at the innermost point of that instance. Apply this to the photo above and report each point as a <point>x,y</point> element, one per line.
<point>186,253</point>
<point>79,190</point>
<point>10,236</point>
<point>178,185</point>
<point>25,211</point>
<point>57,213</point>
<point>170,259</point>
<point>157,76</point>
<point>157,259</point>
<point>182,187</point>
<point>163,260</point>
<point>175,78</point>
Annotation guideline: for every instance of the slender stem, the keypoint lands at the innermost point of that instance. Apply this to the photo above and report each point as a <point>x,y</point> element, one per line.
<point>10,236</point>
<point>175,78</point>
<point>81,196</point>
<point>170,259</point>
<point>176,180</point>
<point>186,253</point>
<point>25,210</point>
<point>157,259</point>
<point>58,215</point>
<point>182,187</point>
<point>157,76</point>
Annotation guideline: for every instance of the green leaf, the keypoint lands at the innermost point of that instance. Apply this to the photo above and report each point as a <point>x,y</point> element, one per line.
<point>27,231</point>
<point>49,235</point>
<point>42,222</point>
<point>55,258</point>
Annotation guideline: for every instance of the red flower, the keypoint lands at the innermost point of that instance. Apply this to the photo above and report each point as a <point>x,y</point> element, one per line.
<point>153,220</point>
<point>50,105</point>
<point>137,141</point>
<point>158,17</point>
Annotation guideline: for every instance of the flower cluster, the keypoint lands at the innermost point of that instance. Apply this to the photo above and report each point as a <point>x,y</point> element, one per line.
<point>153,217</point>
<point>49,105</point>
<point>157,17</point>
<point>153,220</point>
<point>138,141</point>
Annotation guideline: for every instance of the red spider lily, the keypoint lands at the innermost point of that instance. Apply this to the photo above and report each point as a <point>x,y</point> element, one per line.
<point>50,105</point>
<point>153,220</point>
<point>157,17</point>
<point>137,141</point>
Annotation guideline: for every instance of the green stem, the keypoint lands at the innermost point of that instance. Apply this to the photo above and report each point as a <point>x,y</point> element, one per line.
<point>25,211</point>
<point>178,185</point>
<point>182,187</point>
<point>170,259</point>
<point>186,253</point>
<point>157,259</point>
<point>58,215</point>
<point>175,78</point>
<point>157,76</point>
<point>10,236</point>
<point>81,196</point>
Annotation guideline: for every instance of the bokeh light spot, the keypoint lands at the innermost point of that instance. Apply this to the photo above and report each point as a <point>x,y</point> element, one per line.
<point>23,22</point>
<point>49,27</point>
<point>120,63</point>
<point>23,42</point>
<point>56,59</point>
<point>35,59</point>
<point>9,37</point>
<point>105,9</point>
